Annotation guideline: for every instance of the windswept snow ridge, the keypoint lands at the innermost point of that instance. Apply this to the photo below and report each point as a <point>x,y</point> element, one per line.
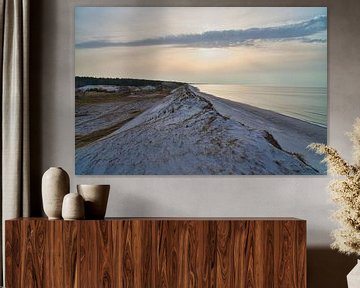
<point>185,135</point>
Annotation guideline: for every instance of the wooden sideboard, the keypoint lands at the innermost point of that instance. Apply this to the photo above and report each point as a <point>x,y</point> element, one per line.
<point>156,252</point>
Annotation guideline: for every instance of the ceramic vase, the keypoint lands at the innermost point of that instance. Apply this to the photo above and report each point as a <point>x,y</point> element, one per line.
<point>96,198</point>
<point>73,207</point>
<point>55,185</point>
<point>353,278</point>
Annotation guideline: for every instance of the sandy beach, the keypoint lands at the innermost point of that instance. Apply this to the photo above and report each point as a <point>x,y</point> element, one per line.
<point>292,134</point>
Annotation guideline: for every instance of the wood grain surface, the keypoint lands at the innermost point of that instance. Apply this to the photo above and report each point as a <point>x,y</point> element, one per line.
<point>160,252</point>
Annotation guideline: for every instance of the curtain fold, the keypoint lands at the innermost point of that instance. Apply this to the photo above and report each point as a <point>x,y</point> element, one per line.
<point>14,111</point>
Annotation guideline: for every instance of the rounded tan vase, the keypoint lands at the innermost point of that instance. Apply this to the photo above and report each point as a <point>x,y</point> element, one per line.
<point>96,198</point>
<point>73,207</point>
<point>55,185</point>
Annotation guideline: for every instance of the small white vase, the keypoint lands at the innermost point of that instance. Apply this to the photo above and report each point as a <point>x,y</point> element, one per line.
<point>73,207</point>
<point>353,278</point>
<point>55,185</point>
<point>96,198</point>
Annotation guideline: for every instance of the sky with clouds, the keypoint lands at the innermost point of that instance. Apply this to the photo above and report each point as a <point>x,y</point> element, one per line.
<point>237,45</point>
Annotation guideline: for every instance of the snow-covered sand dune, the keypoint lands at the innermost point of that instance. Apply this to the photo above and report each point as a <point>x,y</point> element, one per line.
<point>192,133</point>
<point>292,134</point>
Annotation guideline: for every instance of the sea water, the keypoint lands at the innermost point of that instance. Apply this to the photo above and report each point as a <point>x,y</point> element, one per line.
<point>305,103</point>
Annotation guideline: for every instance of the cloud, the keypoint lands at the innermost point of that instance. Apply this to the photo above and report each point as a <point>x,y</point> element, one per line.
<point>315,40</point>
<point>225,38</point>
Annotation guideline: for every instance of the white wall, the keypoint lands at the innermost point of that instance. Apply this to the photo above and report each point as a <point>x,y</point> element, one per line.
<point>297,196</point>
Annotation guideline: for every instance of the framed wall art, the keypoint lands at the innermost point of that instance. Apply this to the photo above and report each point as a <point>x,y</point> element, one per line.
<point>200,90</point>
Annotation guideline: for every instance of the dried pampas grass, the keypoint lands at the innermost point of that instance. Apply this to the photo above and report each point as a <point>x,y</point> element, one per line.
<point>345,191</point>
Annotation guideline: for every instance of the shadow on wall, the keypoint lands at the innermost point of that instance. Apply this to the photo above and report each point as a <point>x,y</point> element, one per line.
<point>139,207</point>
<point>328,268</point>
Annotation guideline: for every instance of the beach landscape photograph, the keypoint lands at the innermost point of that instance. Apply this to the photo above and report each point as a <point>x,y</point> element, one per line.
<point>200,90</point>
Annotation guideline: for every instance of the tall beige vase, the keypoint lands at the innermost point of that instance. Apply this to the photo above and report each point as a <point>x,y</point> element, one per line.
<point>96,198</point>
<point>55,185</point>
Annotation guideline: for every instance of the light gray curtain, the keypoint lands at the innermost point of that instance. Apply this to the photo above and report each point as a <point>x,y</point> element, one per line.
<point>15,172</point>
